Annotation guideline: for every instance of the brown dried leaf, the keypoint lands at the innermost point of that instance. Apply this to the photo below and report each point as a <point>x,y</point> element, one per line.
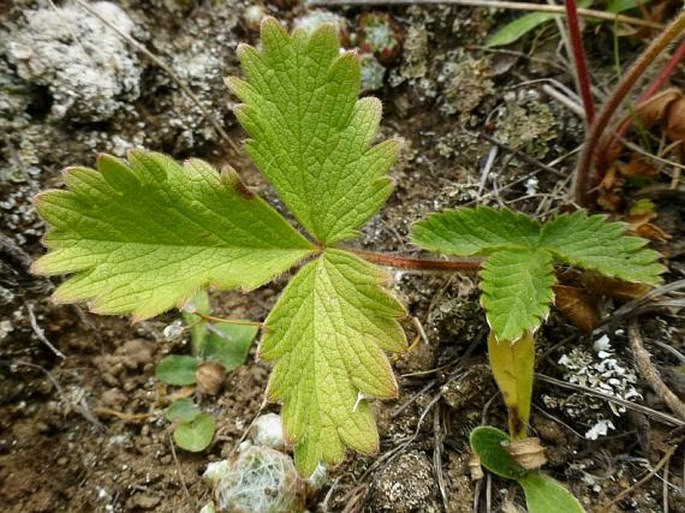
<point>577,306</point>
<point>637,166</point>
<point>675,120</point>
<point>654,109</point>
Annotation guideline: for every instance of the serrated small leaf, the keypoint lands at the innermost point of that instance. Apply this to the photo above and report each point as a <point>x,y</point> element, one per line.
<point>517,286</point>
<point>475,231</point>
<point>229,343</point>
<point>489,444</point>
<point>196,435</point>
<point>592,243</point>
<point>311,135</point>
<point>178,370</point>
<point>545,495</point>
<point>328,331</point>
<point>144,238</point>
<point>183,410</point>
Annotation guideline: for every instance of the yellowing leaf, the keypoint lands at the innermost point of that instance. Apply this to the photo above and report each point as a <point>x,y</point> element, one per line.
<point>146,236</point>
<point>512,364</point>
<point>311,134</point>
<point>329,331</point>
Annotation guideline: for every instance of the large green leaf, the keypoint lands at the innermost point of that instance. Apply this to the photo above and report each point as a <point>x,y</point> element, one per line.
<point>311,134</point>
<point>475,231</point>
<point>144,238</point>
<point>517,290</point>
<point>590,242</point>
<point>329,331</point>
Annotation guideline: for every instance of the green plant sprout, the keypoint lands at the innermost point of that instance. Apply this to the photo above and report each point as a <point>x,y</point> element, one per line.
<point>217,348</point>
<point>143,236</point>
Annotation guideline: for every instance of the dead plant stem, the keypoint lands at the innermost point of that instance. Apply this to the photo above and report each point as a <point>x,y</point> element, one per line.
<point>595,140</point>
<point>495,4</point>
<point>649,372</point>
<point>625,493</point>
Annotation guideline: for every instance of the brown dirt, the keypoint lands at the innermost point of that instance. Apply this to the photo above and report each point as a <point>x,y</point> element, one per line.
<point>85,433</point>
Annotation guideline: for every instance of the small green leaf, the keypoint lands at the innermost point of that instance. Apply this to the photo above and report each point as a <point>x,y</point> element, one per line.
<point>592,243</point>
<point>229,343</point>
<point>196,435</point>
<point>618,6</point>
<point>489,444</point>
<point>311,135</point>
<point>475,231</point>
<point>183,410</point>
<point>518,28</point>
<point>545,495</point>
<point>517,290</point>
<point>328,331</point>
<point>144,238</point>
<point>178,370</point>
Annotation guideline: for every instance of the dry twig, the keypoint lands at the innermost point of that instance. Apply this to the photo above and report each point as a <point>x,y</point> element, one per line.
<point>650,475</point>
<point>650,374</point>
<point>514,6</point>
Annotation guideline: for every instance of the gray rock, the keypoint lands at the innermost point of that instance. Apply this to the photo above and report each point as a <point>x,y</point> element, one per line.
<point>88,68</point>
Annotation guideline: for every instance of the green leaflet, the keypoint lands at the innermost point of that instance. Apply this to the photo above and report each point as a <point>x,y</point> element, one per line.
<point>518,28</point>
<point>146,236</point>
<point>311,134</point>
<point>517,290</point>
<point>589,242</point>
<point>517,275</point>
<point>329,331</point>
<point>489,444</point>
<point>543,494</point>
<point>475,231</point>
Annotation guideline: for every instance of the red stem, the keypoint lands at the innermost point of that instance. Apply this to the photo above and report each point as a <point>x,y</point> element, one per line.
<point>594,145</point>
<point>419,264</point>
<point>653,88</point>
<point>665,73</point>
<point>582,75</point>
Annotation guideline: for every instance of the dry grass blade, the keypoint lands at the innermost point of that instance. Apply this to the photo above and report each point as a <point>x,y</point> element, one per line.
<point>649,302</point>
<point>514,6</point>
<point>161,64</point>
<point>650,475</point>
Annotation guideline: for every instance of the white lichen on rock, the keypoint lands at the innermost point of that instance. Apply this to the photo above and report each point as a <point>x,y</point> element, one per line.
<point>604,371</point>
<point>87,67</point>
